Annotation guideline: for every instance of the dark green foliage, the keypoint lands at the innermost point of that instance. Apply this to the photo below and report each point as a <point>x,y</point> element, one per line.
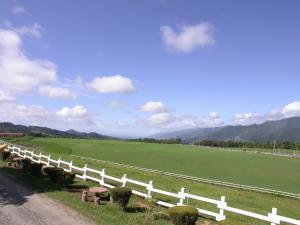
<point>52,173</point>
<point>161,141</point>
<point>240,144</point>
<point>5,155</point>
<point>65,178</point>
<point>35,168</point>
<point>121,195</point>
<point>25,163</point>
<point>183,215</point>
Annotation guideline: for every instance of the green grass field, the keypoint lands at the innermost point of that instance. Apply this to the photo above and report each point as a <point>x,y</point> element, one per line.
<point>242,199</point>
<point>238,167</point>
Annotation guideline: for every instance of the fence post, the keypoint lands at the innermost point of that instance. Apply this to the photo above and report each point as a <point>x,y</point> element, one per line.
<point>32,153</point>
<point>149,189</point>
<point>40,156</point>
<point>102,176</point>
<point>222,204</point>
<point>48,163</point>
<point>273,217</point>
<point>181,196</point>
<point>84,172</point>
<point>124,180</point>
<point>58,162</point>
<point>70,166</point>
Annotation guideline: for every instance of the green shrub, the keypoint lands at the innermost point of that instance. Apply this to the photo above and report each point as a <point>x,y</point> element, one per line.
<point>65,178</point>
<point>25,163</point>
<point>52,173</point>
<point>121,195</point>
<point>5,155</point>
<point>35,168</point>
<point>183,215</point>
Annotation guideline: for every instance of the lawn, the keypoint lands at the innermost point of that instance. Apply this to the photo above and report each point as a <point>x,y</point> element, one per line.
<point>238,167</point>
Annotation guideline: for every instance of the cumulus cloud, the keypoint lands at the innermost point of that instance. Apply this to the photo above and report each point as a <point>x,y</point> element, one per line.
<point>77,112</point>
<point>111,84</point>
<point>292,109</point>
<point>18,9</point>
<point>289,110</point>
<point>189,37</point>
<point>34,30</point>
<point>18,72</point>
<point>248,118</point>
<point>160,118</point>
<point>169,121</point>
<point>5,97</point>
<point>153,107</point>
<point>56,92</point>
<point>18,113</point>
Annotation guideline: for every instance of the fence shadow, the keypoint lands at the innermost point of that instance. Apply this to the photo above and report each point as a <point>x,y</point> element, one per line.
<point>17,186</point>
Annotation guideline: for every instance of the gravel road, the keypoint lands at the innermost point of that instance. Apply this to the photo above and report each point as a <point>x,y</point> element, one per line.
<point>20,206</point>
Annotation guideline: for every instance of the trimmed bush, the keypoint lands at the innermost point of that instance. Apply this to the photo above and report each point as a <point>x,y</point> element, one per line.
<point>183,215</point>
<point>5,155</point>
<point>35,168</point>
<point>65,178</point>
<point>121,195</point>
<point>52,173</point>
<point>25,163</point>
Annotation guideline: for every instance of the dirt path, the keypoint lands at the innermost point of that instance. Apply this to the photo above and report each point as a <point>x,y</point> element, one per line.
<point>19,206</point>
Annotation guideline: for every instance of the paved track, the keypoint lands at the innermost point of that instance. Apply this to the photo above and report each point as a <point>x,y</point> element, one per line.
<point>20,206</point>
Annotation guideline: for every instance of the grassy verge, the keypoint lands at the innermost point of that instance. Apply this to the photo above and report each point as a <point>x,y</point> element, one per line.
<point>108,214</point>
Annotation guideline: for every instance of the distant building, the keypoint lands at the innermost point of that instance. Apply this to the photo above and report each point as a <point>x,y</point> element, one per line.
<point>12,134</point>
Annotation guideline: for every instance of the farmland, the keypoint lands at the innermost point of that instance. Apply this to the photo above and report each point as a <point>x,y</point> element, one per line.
<point>237,167</point>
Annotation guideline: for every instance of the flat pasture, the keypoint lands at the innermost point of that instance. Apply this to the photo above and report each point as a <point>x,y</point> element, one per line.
<point>258,170</point>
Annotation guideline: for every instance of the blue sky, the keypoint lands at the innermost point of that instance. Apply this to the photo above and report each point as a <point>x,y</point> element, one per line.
<point>139,67</point>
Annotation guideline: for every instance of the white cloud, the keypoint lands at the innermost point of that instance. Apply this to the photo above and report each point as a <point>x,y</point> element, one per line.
<point>56,92</point>
<point>189,37</point>
<point>248,118</point>
<point>18,72</point>
<point>5,97</point>
<point>176,122</point>
<point>111,84</point>
<point>289,110</point>
<point>18,9</point>
<point>16,113</point>
<point>153,107</point>
<point>34,31</point>
<point>292,109</point>
<point>77,112</point>
<point>115,104</point>
<point>160,118</point>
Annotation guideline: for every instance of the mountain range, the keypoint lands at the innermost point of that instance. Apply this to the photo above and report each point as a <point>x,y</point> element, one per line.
<point>7,127</point>
<point>281,130</point>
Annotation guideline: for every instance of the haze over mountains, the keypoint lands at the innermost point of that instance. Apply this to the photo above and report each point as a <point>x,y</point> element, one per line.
<point>281,130</point>
<point>36,130</point>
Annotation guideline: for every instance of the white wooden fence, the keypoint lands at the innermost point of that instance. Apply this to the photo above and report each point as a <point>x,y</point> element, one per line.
<point>102,176</point>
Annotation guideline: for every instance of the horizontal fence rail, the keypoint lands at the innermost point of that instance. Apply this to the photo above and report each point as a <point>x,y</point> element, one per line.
<point>199,179</point>
<point>102,176</point>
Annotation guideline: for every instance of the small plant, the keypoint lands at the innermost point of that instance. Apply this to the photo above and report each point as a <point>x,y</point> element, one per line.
<point>183,215</point>
<point>35,168</point>
<point>5,155</point>
<point>121,195</point>
<point>65,178</point>
<point>52,173</point>
<point>25,163</point>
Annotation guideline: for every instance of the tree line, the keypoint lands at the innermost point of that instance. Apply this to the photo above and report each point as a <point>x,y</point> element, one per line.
<point>240,144</point>
<point>160,141</point>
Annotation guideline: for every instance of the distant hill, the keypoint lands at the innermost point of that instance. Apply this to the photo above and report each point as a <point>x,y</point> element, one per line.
<point>7,127</point>
<point>281,130</point>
